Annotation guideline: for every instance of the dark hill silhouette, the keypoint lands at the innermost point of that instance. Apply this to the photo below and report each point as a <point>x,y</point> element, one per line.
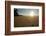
<point>15,12</point>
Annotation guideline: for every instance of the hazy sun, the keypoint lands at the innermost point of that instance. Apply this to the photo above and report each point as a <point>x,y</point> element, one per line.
<point>32,13</point>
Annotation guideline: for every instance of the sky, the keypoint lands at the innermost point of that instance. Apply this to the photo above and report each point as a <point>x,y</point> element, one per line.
<point>28,12</point>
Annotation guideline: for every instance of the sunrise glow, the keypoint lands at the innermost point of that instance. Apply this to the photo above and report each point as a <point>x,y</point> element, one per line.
<point>32,13</point>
